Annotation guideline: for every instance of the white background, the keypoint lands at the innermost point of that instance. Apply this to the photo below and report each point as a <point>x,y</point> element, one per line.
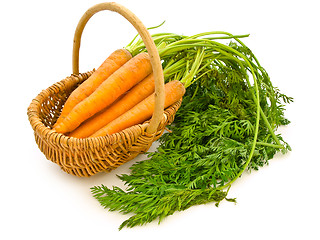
<point>39,201</point>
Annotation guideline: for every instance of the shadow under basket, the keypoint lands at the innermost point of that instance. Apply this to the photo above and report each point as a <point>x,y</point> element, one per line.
<point>85,157</point>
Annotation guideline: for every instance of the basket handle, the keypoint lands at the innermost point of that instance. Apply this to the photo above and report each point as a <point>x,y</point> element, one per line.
<point>149,43</point>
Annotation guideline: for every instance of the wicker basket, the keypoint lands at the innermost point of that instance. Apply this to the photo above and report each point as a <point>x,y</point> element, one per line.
<point>88,156</point>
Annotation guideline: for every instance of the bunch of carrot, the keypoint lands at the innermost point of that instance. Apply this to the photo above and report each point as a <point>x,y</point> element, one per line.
<point>119,94</point>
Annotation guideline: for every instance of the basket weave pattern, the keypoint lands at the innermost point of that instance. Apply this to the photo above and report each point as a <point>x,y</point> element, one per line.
<point>88,156</point>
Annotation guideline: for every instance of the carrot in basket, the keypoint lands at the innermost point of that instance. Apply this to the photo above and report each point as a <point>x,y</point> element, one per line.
<point>135,95</point>
<point>109,66</point>
<point>174,91</point>
<point>117,84</point>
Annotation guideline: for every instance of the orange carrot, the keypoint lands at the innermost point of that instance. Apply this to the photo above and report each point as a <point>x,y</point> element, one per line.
<point>135,95</point>
<point>174,91</point>
<point>109,66</point>
<point>117,84</point>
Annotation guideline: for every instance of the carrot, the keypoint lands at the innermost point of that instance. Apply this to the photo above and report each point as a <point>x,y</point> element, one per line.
<point>117,84</point>
<point>174,91</point>
<point>139,92</point>
<point>109,66</point>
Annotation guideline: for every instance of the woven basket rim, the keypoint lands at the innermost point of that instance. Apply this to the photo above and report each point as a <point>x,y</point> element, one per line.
<point>68,142</point>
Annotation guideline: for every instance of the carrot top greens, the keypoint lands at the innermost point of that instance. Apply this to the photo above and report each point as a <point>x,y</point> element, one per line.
<point>226,125</point>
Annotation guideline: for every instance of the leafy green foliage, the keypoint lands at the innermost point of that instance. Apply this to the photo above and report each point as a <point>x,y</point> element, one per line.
<point>148,207</point>
<point>211,142</point>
